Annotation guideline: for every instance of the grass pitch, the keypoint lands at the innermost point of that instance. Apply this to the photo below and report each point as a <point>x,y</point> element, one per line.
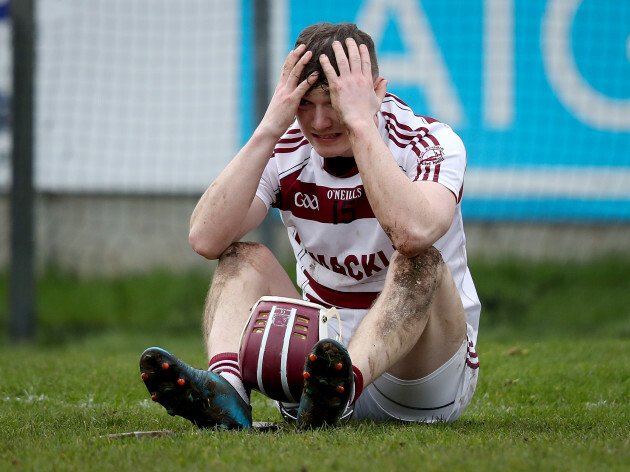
<point>553,394</point>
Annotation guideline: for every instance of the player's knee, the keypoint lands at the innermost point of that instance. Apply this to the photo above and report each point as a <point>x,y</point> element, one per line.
<point>244,251</point>
<point>417,274</point>
<point>242,254</point>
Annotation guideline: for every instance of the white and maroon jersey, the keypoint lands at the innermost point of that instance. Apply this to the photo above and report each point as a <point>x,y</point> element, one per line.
<point>341,250</point>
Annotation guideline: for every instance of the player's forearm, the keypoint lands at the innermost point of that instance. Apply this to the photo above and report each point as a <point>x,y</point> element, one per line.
<point>218,217</point>
<point>404,212</point>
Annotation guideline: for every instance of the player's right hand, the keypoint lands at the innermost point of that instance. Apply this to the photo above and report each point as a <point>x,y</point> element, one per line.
<point>288,93</point>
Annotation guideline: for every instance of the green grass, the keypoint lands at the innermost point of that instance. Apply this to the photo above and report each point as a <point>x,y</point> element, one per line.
<point>554,389</point>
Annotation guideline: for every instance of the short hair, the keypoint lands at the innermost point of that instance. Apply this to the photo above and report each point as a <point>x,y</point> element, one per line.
<point>319,38</point>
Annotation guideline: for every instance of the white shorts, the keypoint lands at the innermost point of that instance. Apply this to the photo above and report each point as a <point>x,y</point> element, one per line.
<point>442,395</point>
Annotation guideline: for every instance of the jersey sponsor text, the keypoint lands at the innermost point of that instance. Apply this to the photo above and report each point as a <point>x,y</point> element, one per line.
<point>357,266</point>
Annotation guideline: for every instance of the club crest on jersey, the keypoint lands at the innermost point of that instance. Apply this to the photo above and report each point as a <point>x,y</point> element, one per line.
<point>431,156</point>
<point>306,201</point>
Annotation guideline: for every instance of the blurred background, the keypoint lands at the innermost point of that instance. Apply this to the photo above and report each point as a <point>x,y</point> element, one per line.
<point>115,115</point>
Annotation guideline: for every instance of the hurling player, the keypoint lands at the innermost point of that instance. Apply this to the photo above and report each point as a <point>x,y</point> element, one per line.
<point>370,194</point>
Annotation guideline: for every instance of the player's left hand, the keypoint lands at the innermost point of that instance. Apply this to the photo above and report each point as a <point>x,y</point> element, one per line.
<point>355,96</point>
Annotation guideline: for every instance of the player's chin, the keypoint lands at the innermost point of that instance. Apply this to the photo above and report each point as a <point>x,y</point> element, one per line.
<point>332,151</point>
<point>325,153</point>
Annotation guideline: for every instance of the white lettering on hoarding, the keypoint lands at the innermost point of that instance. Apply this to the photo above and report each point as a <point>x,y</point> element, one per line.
<point>426,67</point>
<point>587,104</point>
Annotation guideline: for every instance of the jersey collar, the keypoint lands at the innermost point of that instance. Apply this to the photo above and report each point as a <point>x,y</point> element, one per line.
<point>341,167</point>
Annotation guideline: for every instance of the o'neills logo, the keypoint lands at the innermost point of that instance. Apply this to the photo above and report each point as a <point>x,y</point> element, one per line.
<point>344,194</point>
<point>431,156</point>
<point>306,201</point>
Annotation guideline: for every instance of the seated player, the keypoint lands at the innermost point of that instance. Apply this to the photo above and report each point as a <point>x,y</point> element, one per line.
<point>370,194</point>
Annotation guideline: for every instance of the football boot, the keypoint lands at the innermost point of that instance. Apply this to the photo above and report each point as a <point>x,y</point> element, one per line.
<point>328,385</point>
<point>202,397</point>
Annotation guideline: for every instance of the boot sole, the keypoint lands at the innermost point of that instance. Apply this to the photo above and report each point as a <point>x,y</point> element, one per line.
<point>328,385</point>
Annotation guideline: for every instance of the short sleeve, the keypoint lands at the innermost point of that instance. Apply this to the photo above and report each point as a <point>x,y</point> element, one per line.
<point>437,154</point>
<point>269,185</point>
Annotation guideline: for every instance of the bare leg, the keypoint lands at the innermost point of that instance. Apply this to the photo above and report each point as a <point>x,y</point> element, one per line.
<point>246,272</point>
<point>416,324</point>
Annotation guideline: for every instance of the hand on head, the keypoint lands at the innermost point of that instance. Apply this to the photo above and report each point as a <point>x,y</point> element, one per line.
<point>355,95</point>
<point>289,90</point>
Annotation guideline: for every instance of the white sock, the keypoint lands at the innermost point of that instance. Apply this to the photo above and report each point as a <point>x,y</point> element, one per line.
<point>237,383</point>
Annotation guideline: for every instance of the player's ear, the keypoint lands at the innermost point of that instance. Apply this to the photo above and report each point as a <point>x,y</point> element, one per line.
<point>380,88</point>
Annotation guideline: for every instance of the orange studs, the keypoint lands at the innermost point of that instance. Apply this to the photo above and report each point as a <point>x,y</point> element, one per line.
<point>340,389</point>
<point>181,382</point>
<point>306,375</point>
<point>312,357</point>
<point>154,397</point>
<point>145,376</point>
<point>165,366</point>
<point>339,366</point>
